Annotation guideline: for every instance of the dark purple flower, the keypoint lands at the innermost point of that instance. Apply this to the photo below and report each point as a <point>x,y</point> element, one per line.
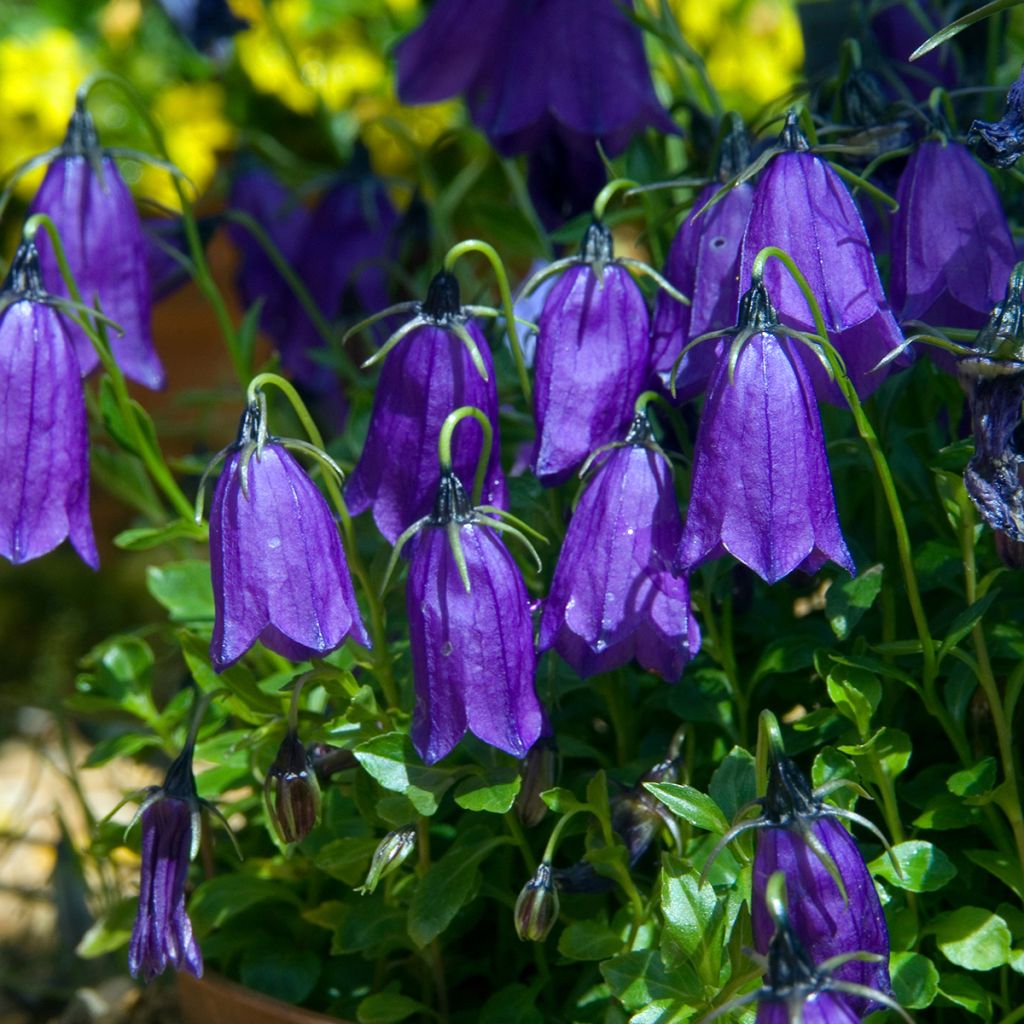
<point>276,559</point>
<point>86,197</point>
<point>614,596</point>
<point>761,487</point>
<point>207,24</point>
<point>427,376</point>
<point>470,634</point>
<point>166,247</point>
<point>593,354</point>
<point>162,935</point>
<point>1000,143</point>
<point>951,247</point>
<point>44,435</point>
<point>899,29</point>
<point>802,206</point>
<point>703,262</point>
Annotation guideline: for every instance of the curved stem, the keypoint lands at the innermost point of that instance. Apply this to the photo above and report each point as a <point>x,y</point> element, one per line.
<point>932,700</point>
<point>444,445</point>
<point>605,195</point>
<point>475,245</point>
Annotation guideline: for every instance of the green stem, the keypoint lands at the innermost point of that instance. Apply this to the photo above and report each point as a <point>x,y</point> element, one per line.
<point>513,825</point>
<point>933,701</point>
<point>491,254</point>
<point>604,197</point>
<point>444,445</point>
<point>148,450</point>
<point>381,656</point>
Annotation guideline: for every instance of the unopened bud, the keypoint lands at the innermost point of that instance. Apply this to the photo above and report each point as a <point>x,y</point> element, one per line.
<point>538,773</point>
<point>637,816</point>
<point>537,906</point>
<point>389,856</point>
<point>291,794</point>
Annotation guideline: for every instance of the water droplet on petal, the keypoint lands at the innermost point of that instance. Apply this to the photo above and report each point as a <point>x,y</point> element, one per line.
<point>274,543</point>
<point>446,648</point>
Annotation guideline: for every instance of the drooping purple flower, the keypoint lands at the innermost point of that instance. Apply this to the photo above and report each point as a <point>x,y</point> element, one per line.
<point>799,834</point>
<point>44,436</point>
<point>470,634</point>
<point>1000,143</point>
<point>162,935</point>
<point>703,262</point>
<point>592,359</point>
<point>614,596</point>
<point>802,206</point>
<point>761,487</point>
<point>529,307</point>
<point>900,28</point>
<point>86,197</point>
<point>428,375</point>
<point>207,24</point>
<point>276,559</point>
<point>951,252</point>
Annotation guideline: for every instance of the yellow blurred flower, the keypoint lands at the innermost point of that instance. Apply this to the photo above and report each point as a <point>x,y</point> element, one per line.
<point>39,76</point>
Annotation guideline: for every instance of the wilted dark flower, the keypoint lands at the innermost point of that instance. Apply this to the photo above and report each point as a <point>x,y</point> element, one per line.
<point>389,856</point>
<point>593,355</point>
<point>614,596</point>
<point>429,375</point>
<point>538,774</point>
<point>278,566</point>
<point>207,24</point>
<point>291,793</point>
<point>951,250</point>
<point>1000,143</point>
<point>536,909</point>
<point>761,487</point>
<point>86,197</point>
<point>802,206</point>
<point>470,633</point>
<point>44,436</point>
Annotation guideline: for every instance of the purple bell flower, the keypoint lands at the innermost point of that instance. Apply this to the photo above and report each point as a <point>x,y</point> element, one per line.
<point>761,487</point>
<point>899,29</point>
<point>614,596</point>
<point>1000,143</point>
<point>429,374</point>
<point>802,206</point>
<point>592,359</point>
<point>951,246</point>
<point>276,559</point>
<point>44,435</point>
<point>166,246</point>
<point>85,196</point>
<point>470,633</point>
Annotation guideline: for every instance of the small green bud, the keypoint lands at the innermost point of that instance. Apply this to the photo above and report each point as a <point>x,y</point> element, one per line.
<point>291,794</point>
<point>389,856</point>
<point>537,906</point>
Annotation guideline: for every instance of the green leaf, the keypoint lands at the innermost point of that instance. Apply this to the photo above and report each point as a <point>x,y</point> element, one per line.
<point>856,695</point>
<point>247,700</point>
<point>891,747</point>
<point>494,791</point>
<point>1000,866</point>
<point>962,990</point>
<point>589,940</point>
<point>387,1008</point>
<point>124,745</point>
<point>915,980</point>
<point>789,653</point>
<point>513,1004</point>
<point>283,972</point>
<point>561,800</point>
<point>223,896</point>
<point>111,931</point>
<point>974,938</point>
<point>688,907</point>
<point>734,782</point>
<point>955,27</point>
<point>347,859</point>
<point>117,426</point>
<point>974,781</point>
<point>965,622</point>
<point>184,589</point>
<point>691,805</point>
<point>144,538</point>
<point>393,762</point>
<point>640,978</point>
<point>946,811</point>
<point>848,600</point>
<point>448,885</point>
<point>925,867</point>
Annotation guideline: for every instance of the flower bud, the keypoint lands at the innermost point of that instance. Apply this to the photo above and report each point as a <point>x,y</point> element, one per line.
<point>389,856</point>
<point>291,793</point>
<point>537,906</point>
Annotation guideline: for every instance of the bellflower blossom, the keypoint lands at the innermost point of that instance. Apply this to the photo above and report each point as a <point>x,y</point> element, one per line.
<point>434,364</point>
<point>614,596</point>
<point>951,250</point>
<point>900,28</point>
<point>470,632</point>
<point>1000,143</point>
<point>276,559</point>
<point>761,487</point>
<point>802,206</point>
<point>85,196</point>
<point>44,435</point>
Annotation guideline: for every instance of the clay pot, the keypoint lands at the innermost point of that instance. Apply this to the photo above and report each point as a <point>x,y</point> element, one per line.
<point>215,1000</point>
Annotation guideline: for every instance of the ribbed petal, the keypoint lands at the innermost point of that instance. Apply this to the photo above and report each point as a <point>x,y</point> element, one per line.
<point>761,485</point>
<point>819,1008</point>
<point>102,237</point>
<point>802,206</point>
<point>825,924</point>
<point>278,567</point>
<point>592,361</point>
<point>428,376</point>
<point>612,598</point>
<point>44,438</point>
<point>162,935</point>
<point>703,263</point>
<point>472,653</point>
